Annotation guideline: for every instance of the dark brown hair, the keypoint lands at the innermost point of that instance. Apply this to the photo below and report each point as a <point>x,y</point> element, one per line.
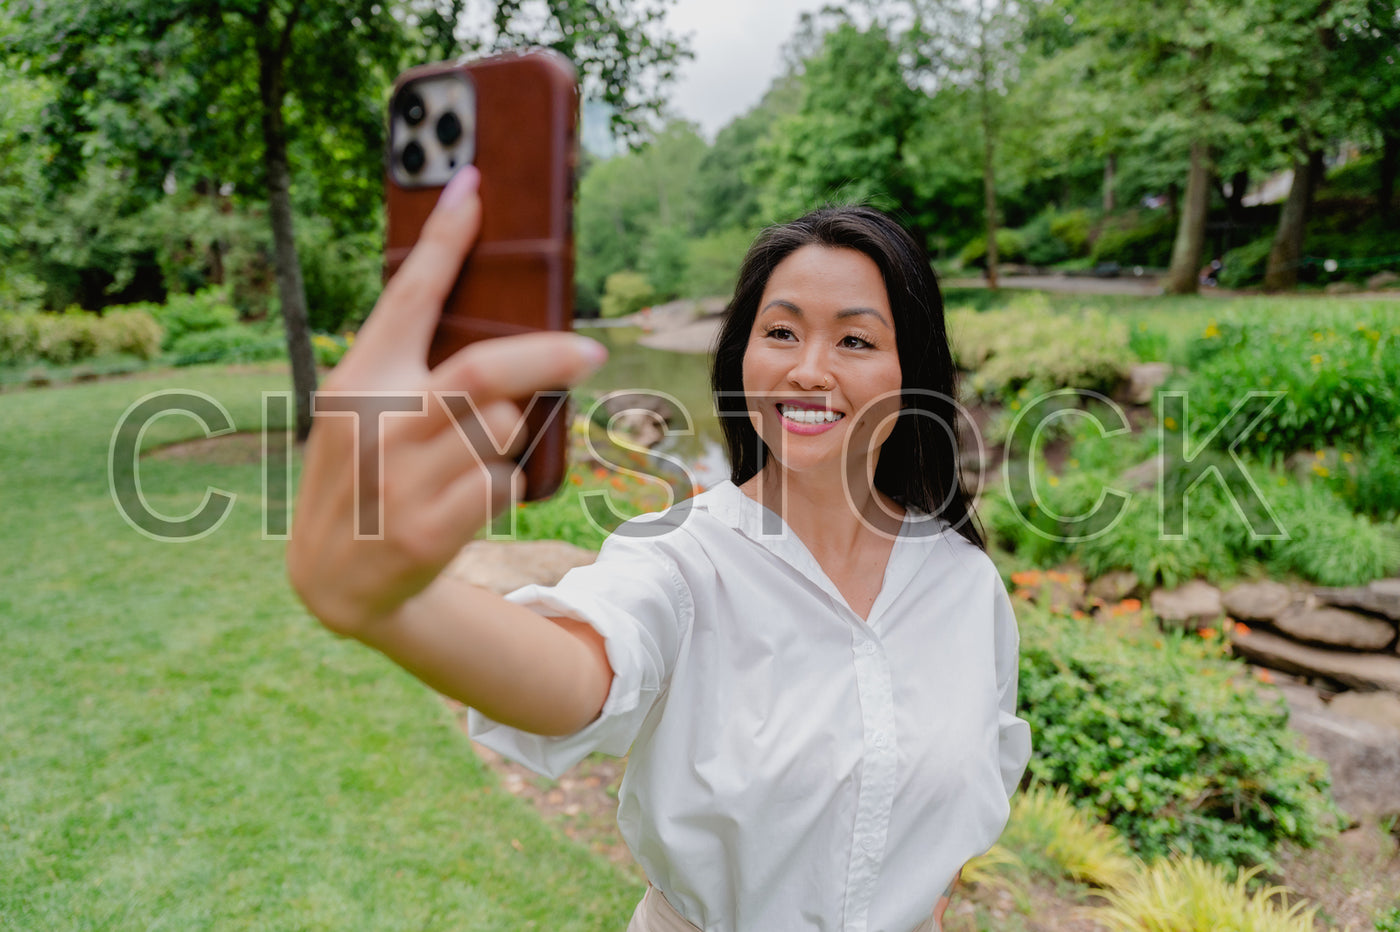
<point>918,465</point>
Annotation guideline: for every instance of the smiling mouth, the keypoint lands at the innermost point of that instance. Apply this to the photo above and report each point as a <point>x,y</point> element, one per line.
<point>809,415</point>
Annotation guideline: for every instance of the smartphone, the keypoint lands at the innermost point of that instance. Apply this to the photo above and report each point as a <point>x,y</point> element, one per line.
<point>514,117</point>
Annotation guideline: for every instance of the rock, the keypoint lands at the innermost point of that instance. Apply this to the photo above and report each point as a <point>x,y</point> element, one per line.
<point>504,566</point>
<point>1358,671</point>
<point>1381,597</point>
<point>1192,604</point>
<point>1342,288</point>
<point>1257,601</point>
<point>1364,760</point>
<point>1382,280</point>
<point>1144,379</point>
<point>641,428</point>
<point>1114,586</point>
<point>1144,475</point>
<point>1377,708</point>
<point>1335,627</point>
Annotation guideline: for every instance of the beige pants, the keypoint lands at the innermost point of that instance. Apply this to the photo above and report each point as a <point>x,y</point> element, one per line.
<point>655,914</point>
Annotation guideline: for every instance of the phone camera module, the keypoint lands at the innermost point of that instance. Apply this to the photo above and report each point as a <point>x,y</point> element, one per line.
<point>449,129</point>
<point>413,158</point>
<point>412,108</point>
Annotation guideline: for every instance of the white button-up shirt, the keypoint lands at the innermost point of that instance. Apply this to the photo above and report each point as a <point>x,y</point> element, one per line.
<point>793,767</point>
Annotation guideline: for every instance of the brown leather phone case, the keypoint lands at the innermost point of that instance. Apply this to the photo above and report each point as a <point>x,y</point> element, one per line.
<point>519,277</point>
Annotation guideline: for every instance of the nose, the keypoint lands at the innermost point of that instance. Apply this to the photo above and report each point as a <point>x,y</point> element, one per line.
<point>811,370</point>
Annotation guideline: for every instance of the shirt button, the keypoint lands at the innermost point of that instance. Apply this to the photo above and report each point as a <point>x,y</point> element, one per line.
<point>868,648</point>
<point>881,741</point>
<point>868,844</point>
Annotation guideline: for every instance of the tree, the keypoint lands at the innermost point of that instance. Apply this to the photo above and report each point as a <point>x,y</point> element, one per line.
<point>290,66</point>
<point>976,47</point>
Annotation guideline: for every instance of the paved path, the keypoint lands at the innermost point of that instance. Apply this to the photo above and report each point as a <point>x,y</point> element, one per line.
<point>1128,283</point>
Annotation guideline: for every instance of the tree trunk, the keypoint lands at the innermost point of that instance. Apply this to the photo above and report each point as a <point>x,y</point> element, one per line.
<point>1286,254</point>
<point>1110,171</point>
<point>1183,278</point>
<point>989,186</point>
<point>1390,163</point>
<point>272,55</point>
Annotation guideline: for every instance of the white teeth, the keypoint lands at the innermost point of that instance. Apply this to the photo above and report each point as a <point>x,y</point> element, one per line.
<point>809,415</point>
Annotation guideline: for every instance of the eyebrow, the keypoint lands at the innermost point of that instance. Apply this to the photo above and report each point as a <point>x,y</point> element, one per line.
<point>840,315</point>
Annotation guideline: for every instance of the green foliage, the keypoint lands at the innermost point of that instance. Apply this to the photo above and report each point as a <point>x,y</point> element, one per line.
<point>1388,921</point>
<point>1185,894</point>
<point>1167,741</point>
<point>1010,248</point>
<point>712,263</point>
<point>1370,483</point>
<point>1244,266</point>
<point>185,314</point>
<point>626,293</point>
<point>1129,241</point>
<point>1051,238</point>
<point>235,343</point>
<point>74,336</point>
<point>329,349</point>
<point>1336,368</point>
<point>1148,343</point>
<point>342,274</point>
<point>1030,347</point>
<point>1327,543</point>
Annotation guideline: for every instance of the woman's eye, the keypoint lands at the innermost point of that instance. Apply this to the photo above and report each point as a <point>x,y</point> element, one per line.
<point>855,342</point>
<point>780,333</point>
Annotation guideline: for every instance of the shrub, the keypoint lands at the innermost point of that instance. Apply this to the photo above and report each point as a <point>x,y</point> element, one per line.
<point>330,349</point>
<point>1372,486</point>
<point>1148,243</point>
<point>1184,894</point>
<point>200,312</point>
<point>1245,265</point>
<point>1327,543</point>
<point>75,335</point>
<point>133,332</point>
<point>1336,371</point>
<point>238,343</point>
<point>625,293</point>
<point>1166,740</point>
<point>342,276</point>
<point>1028,346</point>
<point>1046,826</point>
<point>1010,248</point>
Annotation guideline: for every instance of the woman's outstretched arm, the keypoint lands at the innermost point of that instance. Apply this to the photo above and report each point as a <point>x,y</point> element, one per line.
<point>394,484</point>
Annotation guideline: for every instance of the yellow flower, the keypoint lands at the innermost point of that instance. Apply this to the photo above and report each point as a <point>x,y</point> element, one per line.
<point>1347,457</point>
<point>1170,423</point>
<point>1015,405</point>
<point>1322,471</point>
<point>1320,454</point>
<point>1212,331</point>
<point>1317,359</point>
<point>1054,481</point>
<point>350,338</point>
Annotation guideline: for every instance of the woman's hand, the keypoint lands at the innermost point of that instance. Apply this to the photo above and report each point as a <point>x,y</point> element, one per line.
<point>393,485</point>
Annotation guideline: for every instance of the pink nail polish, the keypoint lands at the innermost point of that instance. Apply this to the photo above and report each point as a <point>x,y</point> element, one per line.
<point>462,186</point>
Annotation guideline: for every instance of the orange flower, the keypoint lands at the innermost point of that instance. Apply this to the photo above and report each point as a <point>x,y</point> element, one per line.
<point>576,479</point>
<point>1025,594</point>
<point>1077,615</point>
<point>599,473</point>
<point>618,484</point>
<point>1058,577</point>
<point>1263,676</point>
<point>1207,633</point>
<point>1127,606</point>
<point>1242,630</point>
<point>1026,578</point>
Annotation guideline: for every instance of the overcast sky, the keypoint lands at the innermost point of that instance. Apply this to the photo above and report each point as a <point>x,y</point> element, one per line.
<point>737,47</point>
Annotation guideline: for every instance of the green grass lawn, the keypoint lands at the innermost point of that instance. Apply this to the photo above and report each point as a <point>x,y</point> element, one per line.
<point>184,748</point>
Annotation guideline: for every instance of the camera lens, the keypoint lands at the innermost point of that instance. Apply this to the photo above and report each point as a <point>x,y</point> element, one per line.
<point>412,108</point>
<point>449,129</point>
<point>412,158</point>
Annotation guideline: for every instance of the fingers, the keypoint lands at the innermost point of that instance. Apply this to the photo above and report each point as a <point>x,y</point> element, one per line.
<point>406,315</point>
<point>517,367</point>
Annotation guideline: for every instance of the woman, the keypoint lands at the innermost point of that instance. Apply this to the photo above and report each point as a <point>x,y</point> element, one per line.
<point>813,666</point>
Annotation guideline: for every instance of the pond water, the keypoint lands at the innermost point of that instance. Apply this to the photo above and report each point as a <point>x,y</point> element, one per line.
<point>683,377</point>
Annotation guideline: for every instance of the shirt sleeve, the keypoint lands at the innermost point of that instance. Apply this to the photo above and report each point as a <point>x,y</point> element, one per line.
<point>634,596</point>
<point>1013,732</point>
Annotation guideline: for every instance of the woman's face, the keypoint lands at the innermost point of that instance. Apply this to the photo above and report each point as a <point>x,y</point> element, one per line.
<point>821,369</point>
